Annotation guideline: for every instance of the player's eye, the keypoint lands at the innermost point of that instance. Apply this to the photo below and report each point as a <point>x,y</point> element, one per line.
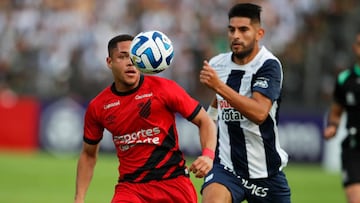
<point>124,56</point>
<point>231,29</point>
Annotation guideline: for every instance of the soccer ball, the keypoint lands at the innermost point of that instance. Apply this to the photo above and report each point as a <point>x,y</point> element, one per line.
<point>151,52</point>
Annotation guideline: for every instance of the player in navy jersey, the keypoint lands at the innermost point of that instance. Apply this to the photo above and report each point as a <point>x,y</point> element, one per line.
<point>248,81</point>
<point>139,110</point>
<point>347,99</point>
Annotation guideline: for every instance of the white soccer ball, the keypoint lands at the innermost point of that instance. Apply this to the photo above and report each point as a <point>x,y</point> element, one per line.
<point>151,52</point>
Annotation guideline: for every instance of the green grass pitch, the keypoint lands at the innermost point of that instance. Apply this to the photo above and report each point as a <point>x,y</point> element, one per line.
<point>43,178</point>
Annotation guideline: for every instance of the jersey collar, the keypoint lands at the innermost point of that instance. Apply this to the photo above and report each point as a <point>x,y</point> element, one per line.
<point>113,88</point>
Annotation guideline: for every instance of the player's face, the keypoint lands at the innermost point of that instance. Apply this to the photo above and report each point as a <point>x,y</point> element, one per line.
<point>243,36</point>
<point>356,47</point>
<point>125,74</point>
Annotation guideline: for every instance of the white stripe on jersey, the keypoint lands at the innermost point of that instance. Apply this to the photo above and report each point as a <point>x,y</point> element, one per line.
<point>243,146</point>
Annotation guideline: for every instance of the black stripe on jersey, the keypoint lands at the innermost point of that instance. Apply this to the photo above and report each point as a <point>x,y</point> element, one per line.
<point>239,157</point>
<point>91,142</point>
<point>273,160</point>
<point>160,172</point>
<point>175,161</point>
<point>194,113</point>
<point>145,109</point>
<point>238,142</point>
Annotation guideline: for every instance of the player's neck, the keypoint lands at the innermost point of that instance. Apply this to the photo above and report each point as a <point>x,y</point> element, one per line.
<point>124,86</point>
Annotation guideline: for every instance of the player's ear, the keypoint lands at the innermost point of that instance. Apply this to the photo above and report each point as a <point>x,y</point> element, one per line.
<point>108,61</point>
<point>260,33</point>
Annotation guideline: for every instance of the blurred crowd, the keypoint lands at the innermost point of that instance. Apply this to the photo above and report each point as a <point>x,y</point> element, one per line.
<point>55,48</point>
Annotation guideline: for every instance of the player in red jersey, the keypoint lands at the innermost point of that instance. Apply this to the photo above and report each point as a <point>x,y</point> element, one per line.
<point>139,110</point>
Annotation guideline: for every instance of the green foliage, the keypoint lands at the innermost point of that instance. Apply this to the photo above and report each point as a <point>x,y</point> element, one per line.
<point>43,178</point>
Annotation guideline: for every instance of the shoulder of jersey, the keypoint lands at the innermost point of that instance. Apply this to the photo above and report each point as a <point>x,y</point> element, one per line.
<point>219,58</point>
<point>159,81</point>
<point>269,55</point>
<point>343,76</point>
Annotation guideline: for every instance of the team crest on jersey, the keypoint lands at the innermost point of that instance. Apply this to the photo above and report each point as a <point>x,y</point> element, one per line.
<point>145,109</point>
<point>261,82</point>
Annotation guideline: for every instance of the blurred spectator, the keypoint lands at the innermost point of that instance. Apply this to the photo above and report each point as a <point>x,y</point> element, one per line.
<point>54,48</point>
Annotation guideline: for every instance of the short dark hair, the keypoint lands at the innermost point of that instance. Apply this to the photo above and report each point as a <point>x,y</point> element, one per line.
<point>119,38</point>
<point>247,10</point>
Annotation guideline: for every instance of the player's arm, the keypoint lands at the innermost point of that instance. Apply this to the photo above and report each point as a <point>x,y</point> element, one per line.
<point>255,108</point>
<point>207,130</point>
<point>85,170</point>
<point>333,120</point>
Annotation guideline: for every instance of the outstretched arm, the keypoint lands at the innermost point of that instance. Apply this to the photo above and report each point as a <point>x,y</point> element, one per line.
<point>207,129</point>
<point>85,170</point>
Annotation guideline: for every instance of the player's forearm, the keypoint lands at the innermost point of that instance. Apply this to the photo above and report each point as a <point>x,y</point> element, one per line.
<point>335,114</point>
<point>85,170</point>
<point>208,140</point>
<point>207,129</point>
<point>207,132</point>
<point>248,107</point>
<point>333,120</point>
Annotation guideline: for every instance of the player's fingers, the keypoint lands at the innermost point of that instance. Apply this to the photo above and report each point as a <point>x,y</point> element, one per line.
<point>194,167</point>
<point>201,173</point>
<point>204,78</point>
<point>205,71</point>
<point>201,169</point>
<point>201,166</point>
<point>202,74</point>
<point>206,66</point>
<point>205,169</point>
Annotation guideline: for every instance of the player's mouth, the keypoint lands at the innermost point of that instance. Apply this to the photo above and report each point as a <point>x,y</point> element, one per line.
<point>131,72</point>
<point>237,45</point>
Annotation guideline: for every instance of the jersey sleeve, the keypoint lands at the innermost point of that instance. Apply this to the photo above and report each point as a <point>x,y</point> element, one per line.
<point>268,80</point>
<point>93,130</point>
<point>339,94</point>
<point>181,102</point>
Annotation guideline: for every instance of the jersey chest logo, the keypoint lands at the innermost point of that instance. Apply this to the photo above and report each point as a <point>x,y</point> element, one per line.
<point>145,108</point>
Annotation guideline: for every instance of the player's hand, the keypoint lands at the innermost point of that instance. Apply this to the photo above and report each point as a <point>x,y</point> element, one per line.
<point>209,77</point>
<point>201,166</point>
<point>330,132</point>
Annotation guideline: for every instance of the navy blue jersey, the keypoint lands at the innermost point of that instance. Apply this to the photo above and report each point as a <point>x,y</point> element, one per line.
<point>248,149</point>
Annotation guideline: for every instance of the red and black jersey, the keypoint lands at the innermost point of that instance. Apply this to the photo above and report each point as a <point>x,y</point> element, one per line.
<point>142,123</point>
